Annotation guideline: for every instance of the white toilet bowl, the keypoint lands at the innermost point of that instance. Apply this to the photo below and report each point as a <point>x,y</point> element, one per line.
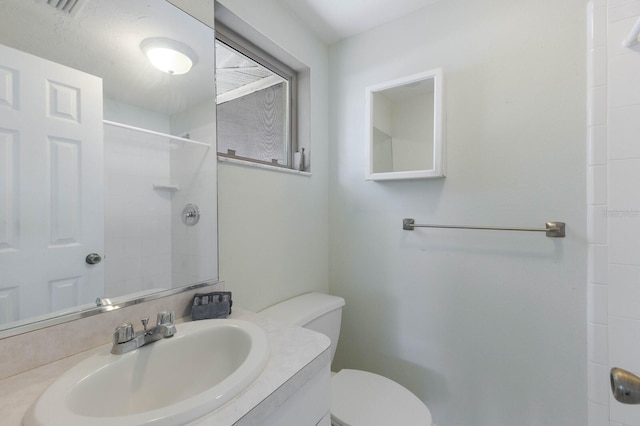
<point>358,398</point>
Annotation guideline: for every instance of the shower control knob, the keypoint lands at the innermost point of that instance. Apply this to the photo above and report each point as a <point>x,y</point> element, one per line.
<point>190,215</point>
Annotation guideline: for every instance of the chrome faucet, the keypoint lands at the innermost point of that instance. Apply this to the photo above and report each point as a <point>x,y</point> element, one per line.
<point>126,340</point>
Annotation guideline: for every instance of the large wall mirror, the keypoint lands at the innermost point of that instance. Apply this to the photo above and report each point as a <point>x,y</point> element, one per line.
<point>404,128</point>
<point>107,155</point>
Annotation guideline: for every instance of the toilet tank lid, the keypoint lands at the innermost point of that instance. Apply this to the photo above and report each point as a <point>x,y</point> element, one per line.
<point>303,309</point>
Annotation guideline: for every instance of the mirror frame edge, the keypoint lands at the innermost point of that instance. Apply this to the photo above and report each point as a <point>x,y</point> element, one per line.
<point>85,313</point>
<point>439,150</point>
<point>196,10</point>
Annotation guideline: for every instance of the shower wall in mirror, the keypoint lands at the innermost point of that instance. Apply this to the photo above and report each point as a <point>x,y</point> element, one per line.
<point>100,152</point>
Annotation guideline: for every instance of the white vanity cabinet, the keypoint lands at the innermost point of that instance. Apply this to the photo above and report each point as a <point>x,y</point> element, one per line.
<point>294,388</point>
<point>309,405</point>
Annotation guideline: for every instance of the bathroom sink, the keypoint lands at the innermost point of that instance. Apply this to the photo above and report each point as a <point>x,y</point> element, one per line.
<point>170,382</point>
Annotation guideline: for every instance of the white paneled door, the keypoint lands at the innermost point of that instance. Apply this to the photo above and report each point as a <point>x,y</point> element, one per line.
<point>51,186</point>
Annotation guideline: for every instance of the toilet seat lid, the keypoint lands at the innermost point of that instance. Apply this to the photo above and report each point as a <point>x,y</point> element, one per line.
<point>363,398</point>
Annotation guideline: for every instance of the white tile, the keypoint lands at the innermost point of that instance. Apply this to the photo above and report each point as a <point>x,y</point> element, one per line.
<point>598,383</point>
<point>599,28</point>
<point>617,33</point>
<point>624,343</point>
<point>623,131</point>
<point>623,84</point>
<point>624,239</point>
<point>591,69</point>
<point>599,64</point>
<point>598,344</point>
<point>598,304</point>
<point>598,414</point>
<point>597,141</point>
<point>623,10</point>
<point>598,107</point>
<point>624,212</point>
<point>597,224</point>
<point>597,185</point>
<point>598,264</point>
<point>624,194</point>
<point>590,17</point>
<point>624,291</point>
<point>616,3</point>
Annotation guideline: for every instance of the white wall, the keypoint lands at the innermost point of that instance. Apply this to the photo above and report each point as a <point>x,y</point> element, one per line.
<point>487,328</point>
<point>273,226</point>
<point>614,208</point>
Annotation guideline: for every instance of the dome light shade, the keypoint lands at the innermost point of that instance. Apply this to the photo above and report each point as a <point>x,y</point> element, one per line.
<point>169,55</point>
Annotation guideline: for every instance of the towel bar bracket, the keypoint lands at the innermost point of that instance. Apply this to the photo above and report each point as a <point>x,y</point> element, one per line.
<point>551,229</point>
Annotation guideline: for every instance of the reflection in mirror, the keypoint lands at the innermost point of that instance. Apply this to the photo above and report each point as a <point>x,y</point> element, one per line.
<point>404,128</point>
<point>254,97</point>
<point>382,151</point>
<point>100,152</point>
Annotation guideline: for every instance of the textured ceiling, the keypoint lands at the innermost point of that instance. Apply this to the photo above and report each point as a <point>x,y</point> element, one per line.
<point>103,38</point>
<point>333,20</point>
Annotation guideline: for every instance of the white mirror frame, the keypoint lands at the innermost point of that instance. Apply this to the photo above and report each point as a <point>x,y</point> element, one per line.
<point>439,163</point>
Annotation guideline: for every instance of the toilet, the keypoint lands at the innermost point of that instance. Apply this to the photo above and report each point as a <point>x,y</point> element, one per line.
<point>358,398</point>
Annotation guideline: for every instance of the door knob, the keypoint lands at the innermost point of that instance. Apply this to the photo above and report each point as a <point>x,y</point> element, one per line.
<point>93,258</point>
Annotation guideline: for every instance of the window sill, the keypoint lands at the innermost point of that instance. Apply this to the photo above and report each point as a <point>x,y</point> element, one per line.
<point>261,166</point>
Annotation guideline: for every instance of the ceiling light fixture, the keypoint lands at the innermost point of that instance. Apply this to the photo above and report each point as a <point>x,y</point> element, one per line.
<point>169,55</point>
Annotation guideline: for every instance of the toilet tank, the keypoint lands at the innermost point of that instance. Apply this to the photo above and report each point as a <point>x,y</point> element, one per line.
<point>315,311</point>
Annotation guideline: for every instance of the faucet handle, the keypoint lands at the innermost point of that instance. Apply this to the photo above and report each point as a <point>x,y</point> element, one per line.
<point>123,333</point>
<point>165,318</point>
<point>165,323</point>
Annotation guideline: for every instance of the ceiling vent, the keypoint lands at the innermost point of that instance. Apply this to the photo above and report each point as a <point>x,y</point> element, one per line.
<point>70,7</point>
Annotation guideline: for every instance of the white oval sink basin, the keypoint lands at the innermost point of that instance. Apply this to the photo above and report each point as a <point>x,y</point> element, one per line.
<point>170,382</point>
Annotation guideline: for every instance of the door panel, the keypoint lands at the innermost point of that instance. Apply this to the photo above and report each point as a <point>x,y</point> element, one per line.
<point>51,186</point>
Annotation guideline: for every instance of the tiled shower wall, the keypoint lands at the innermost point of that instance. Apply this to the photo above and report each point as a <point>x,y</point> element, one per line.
<point>138,244</point>
<point>614,206</point>
<point>137,217</point>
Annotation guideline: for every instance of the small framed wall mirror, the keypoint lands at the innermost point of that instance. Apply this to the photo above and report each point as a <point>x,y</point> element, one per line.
<point>405,128</point>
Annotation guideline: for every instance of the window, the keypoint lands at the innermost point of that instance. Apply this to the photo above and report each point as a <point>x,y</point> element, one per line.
<point>256,111</point>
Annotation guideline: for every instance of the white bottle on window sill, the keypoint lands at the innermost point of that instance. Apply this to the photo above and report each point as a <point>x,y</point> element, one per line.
<point>298,160</point>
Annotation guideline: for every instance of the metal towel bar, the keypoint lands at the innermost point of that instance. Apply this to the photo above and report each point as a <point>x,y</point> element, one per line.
<point>552,229</point>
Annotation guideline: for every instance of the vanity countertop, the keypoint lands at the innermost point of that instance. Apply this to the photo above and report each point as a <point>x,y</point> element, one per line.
<point>296,354</point>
